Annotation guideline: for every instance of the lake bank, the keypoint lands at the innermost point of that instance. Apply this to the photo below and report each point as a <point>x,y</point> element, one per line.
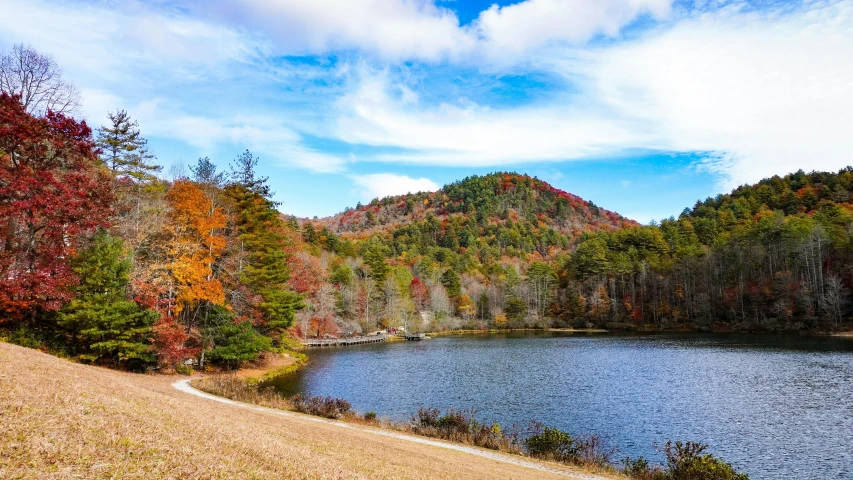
<point>272,364</point>
<point>63,418</point>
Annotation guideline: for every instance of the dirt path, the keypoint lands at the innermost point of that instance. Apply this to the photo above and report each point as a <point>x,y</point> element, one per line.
<point>184,386</point>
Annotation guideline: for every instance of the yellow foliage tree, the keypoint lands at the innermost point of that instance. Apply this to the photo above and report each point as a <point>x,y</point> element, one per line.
<point>195,222</point>
<point>466,307</point>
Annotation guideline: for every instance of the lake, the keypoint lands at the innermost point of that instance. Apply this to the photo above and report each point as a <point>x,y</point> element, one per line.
<point>776,407</point>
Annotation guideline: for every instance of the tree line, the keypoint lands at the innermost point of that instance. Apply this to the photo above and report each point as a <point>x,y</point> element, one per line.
<point>772,256</point>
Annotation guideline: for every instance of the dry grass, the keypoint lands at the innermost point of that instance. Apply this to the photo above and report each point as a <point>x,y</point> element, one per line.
<point>63,420</point>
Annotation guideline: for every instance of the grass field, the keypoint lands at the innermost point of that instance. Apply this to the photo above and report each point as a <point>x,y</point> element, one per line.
<point>59,419</point>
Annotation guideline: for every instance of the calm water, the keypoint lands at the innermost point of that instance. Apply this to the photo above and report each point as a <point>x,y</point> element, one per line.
<point>775,407</point>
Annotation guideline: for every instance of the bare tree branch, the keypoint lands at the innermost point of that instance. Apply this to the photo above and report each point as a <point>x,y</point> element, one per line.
<point>37,79</point>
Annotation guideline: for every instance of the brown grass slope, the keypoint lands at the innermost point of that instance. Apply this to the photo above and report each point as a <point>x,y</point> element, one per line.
<point>64,420</point>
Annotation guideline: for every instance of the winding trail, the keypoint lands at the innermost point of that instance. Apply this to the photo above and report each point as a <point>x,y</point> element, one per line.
<point>185,386</point>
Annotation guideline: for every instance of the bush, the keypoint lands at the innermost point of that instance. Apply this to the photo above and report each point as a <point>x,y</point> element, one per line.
<point>551,443</point>
<point>462,426</point>
<point>328,407</point>
<point>640,469</point>
<point>26,338</point>
<point>590,451</point>
<point>685,461</point>
<point>184,369</point>
<point>370,416</point>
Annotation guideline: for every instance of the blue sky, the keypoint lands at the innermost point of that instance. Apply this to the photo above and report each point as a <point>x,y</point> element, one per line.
<point>641,106</point>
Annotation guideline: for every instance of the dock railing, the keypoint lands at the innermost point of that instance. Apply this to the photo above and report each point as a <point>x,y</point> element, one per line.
<point>340,342</point>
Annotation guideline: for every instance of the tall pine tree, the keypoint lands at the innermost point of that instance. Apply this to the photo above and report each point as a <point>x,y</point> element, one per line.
<point>262,239</point>
<point>101,324</point>
<point>124,150</point>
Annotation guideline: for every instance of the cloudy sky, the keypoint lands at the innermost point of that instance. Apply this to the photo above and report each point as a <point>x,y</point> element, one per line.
<point>642,106</point>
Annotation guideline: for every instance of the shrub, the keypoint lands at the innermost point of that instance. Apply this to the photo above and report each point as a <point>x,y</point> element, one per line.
<point>26,338</point>
<point>237,342</point>
<point>551,443</point>
<point>328,407</point>
<point>370,416</point>
<point>686,461</point>
<point>640,469</point>
<point>462,426</point>
<point>591,451</point>
<point>184,369</point>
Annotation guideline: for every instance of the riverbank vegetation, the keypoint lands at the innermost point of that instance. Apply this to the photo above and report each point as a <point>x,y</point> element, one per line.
<point>684,461</point>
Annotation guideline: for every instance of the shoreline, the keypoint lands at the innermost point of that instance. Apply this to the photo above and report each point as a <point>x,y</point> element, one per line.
<point>271,366</point>
<point>290,361</point>
<point>492,331</point>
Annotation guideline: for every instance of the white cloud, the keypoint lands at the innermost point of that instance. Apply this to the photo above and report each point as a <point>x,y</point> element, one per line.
<point>760,93</point>
<point>475,135</point>
<point>87,37</point>
<point>396,29</point>
<point>515,29</point>
<point>168,70</point>
<point>264,135</point>
<point>767,93</point>
<point>380,185</point>
<point>420,29</point>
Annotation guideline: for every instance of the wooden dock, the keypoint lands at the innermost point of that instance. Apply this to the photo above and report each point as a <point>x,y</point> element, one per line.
<point>342,342</point>
<point>415,337</point>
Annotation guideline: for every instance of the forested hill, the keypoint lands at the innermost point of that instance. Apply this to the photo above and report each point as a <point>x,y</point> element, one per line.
<point>818,194</point>
<point>771,256</point>
<point>500,213</point>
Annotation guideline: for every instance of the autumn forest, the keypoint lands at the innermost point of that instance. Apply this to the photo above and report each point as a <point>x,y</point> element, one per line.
<point>107,259</point>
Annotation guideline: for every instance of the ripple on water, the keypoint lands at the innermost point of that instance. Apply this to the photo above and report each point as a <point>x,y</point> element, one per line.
<point>775,407</point>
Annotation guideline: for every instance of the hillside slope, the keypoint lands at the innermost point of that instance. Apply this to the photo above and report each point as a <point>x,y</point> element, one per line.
<point>63,420</point>
<point>515,214</point>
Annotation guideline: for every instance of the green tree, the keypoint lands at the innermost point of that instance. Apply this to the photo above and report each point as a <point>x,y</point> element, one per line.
<point>204,173</point>
<point>237,342</point>
<point>262,237</point>
<point>374,255</point>
<point>100,323</point>
<point>124,149</point>
<point>243,175</point>
<point>515,309</point>
<point>450,280</point>
<point>342,275</point>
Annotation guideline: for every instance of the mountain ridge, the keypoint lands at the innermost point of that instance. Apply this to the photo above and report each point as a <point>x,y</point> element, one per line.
<point>516,213</point>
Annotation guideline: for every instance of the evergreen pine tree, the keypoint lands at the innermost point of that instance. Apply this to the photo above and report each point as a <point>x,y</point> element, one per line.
<point>237,342</point>
<point>100,323</point>
<point>243,175</point>
<point>262,236</point>
<point>124,150</point>
<point>204,173</point>
<point>450,280</point>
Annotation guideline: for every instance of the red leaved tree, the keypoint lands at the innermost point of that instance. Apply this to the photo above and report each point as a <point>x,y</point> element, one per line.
<point>170,338</point>
<point>52,194</point>
<point>420,294</point>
